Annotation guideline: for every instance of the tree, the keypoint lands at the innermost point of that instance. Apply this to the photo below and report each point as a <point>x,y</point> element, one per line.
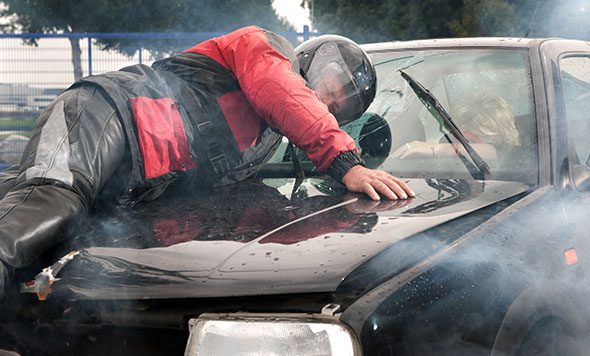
<point>486,18</point>
<point>524,18</point>
<point>381,20</point>
<point>565,18</point>
<point>386,20</point>
<point>202,16</point>
<point>56,16</point>
<point>227,15</point>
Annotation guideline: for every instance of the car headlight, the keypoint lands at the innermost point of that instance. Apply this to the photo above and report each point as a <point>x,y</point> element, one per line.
<point>270,334</point>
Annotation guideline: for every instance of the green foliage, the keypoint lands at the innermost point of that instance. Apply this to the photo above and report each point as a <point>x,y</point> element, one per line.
<point>53,16</point>
<point>93,15</point>
<point>224,16</point>
<point>386,20</point>
<point>564,18</point>
<point>383,20</point>
<point>485,18</point>
<point>8,124</point>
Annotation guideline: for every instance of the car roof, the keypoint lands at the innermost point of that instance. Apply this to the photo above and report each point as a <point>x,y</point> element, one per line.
<point>513,42</point>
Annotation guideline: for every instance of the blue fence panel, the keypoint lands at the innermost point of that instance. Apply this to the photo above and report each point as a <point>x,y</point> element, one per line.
<point>32,76</point>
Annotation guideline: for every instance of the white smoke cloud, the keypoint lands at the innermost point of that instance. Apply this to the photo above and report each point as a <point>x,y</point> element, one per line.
<point>293,12</point>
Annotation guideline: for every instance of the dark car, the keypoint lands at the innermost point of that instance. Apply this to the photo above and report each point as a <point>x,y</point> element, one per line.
<point>490,258</point>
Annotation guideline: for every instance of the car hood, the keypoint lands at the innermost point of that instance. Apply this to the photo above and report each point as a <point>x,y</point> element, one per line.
<point>273,236</point>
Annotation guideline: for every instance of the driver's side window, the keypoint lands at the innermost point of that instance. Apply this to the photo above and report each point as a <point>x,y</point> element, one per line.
<point>575,78</point>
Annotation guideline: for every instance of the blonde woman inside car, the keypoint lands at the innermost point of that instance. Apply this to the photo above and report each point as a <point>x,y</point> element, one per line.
<point>486,121</point>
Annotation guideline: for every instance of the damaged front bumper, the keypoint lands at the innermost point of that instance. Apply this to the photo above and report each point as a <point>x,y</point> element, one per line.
<point>42,283</point>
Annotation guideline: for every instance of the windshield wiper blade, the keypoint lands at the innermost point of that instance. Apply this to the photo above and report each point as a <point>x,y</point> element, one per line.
<point>428,99</point>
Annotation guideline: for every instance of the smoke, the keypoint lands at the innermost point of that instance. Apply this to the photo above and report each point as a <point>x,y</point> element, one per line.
<point>292,12</point>
<point>509,271</point>
<point>565,18</point>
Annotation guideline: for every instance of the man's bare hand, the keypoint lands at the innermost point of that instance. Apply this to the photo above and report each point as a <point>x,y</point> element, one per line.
<point>372,182</point>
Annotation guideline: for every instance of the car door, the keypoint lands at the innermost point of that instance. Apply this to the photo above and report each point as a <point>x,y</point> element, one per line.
<point>567,64</point>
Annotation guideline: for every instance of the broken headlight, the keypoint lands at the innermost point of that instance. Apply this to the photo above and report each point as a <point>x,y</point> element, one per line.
<point>270,334</point>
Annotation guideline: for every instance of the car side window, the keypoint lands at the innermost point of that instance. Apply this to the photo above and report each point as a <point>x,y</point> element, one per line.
<point>575,78</point>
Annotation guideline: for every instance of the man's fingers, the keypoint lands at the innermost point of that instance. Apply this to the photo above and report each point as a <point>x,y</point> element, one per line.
<point>398,186</point>
<point>375,182</point>
<point>370,191</point>
<point>391,187</point>
<point>403,185</point>
<point>387,189</point>
<point>395,187</point>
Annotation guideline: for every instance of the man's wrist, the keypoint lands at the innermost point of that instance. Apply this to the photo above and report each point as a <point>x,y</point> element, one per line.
<point>343,163</point>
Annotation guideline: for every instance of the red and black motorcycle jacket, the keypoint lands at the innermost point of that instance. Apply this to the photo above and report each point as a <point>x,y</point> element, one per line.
<point>221,108</point>
<point>215,112</point>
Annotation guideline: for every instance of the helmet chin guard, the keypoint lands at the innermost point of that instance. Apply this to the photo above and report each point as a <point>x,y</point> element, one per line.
<point>340,72</point>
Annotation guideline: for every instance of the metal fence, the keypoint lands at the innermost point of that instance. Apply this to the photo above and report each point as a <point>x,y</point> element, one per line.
<point>35,68</point>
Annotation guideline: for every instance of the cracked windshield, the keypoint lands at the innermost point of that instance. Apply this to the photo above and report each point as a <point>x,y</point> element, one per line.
<point>486,93</point>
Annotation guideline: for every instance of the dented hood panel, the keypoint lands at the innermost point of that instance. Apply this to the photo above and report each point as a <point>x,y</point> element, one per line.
<point>254,238</point>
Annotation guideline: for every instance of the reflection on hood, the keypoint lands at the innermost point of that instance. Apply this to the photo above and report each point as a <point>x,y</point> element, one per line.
<point>238,213</point>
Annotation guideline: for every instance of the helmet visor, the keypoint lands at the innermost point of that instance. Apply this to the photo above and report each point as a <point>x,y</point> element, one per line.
<point>334,83</point>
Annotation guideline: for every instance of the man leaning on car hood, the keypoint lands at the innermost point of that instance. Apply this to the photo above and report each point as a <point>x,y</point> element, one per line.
<point>210,115</point>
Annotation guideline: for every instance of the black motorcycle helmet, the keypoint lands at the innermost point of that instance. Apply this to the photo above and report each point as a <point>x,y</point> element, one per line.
<point>340,72</point>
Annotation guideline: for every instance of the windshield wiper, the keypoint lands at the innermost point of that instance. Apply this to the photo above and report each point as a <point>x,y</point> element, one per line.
<point>430,101</point>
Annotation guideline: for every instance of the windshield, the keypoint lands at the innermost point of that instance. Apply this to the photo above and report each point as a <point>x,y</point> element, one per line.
<point>444,119</point>
<point>488,94</point>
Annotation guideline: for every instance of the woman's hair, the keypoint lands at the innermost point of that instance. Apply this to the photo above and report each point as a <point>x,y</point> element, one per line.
<point>487,116</point>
